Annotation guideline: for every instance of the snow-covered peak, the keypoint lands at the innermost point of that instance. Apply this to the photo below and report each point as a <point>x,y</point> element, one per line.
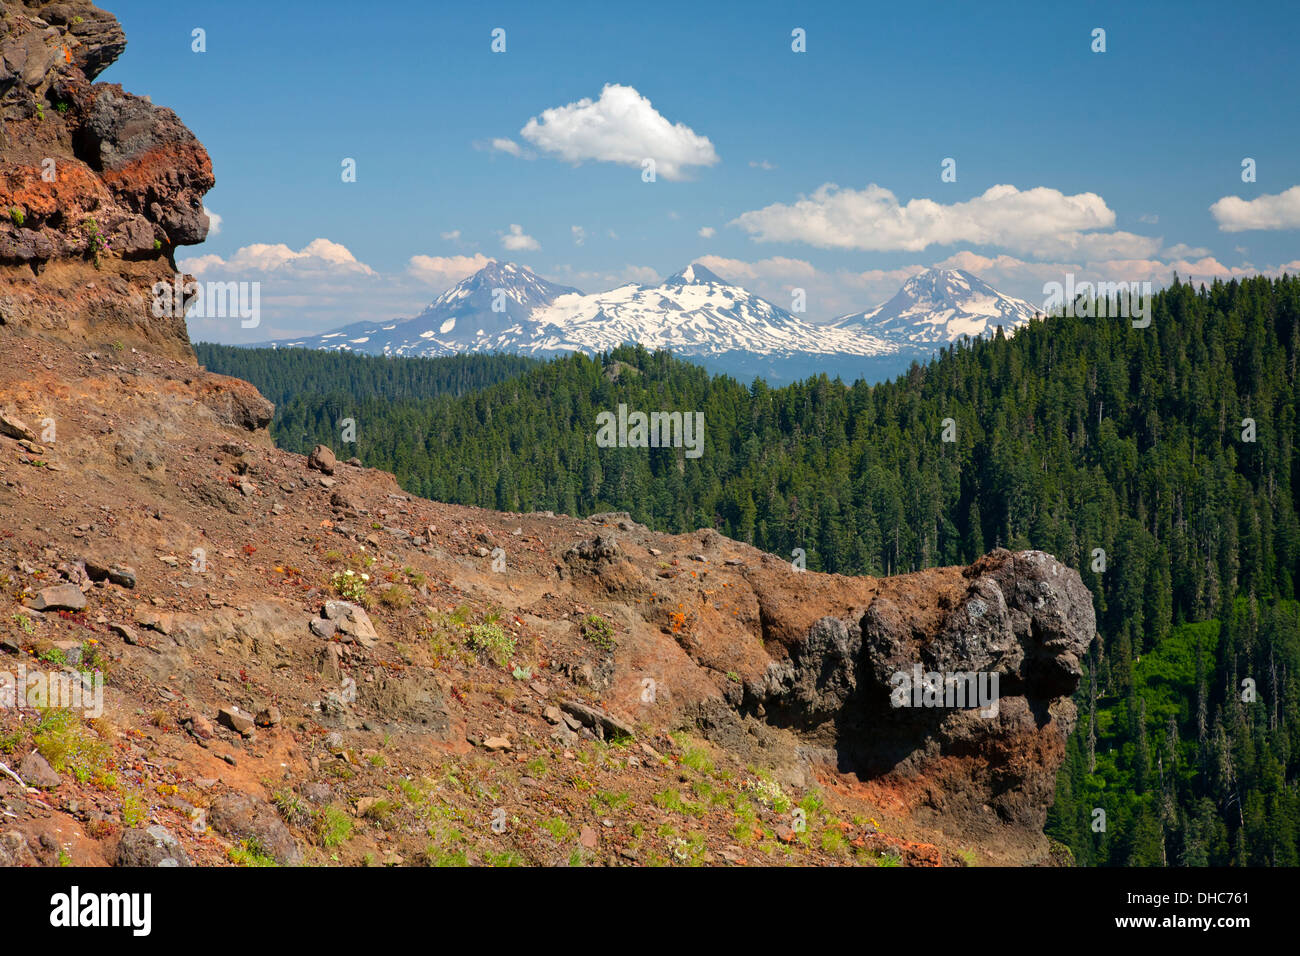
<point>694,274</point>
<point>939,306</point>
<point>502,282</point>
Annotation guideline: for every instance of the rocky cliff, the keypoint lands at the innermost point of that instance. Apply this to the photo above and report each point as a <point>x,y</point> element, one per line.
<point>302,663</point>
<point>97,186</point>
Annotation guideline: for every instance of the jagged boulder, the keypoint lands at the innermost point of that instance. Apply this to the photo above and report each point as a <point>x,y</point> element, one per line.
<point>957,701</point>
<point>322,459</point>
<point>237,404</point>
<point>351,623</point>
<point>601,549</point>
<point>242,817</point>
<point>154,846</point>
<point>821,675</point>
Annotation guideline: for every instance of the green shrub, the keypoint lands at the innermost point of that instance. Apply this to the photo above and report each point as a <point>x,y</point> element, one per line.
<point>350,585</point>
<point>596,630</point>
<point>396,597</point>
<point>493,641</point>
<point>250,853</point>
<point>63,740</point>
<point>333,827</point>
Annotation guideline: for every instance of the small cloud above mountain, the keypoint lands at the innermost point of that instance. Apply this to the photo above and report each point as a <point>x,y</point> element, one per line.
<point>516,240</point>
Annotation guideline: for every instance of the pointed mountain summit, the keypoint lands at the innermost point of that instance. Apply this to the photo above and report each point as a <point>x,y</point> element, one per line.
<point>493,303</point>
<point>694,274</point>
<point>939,306</point>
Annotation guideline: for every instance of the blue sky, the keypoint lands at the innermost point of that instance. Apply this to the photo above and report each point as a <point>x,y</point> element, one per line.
<point>1110,162</point>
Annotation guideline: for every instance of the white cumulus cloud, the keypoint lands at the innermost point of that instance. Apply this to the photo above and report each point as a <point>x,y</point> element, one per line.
<point>1092,245</point>
<point>775,269</point>
<point>1041,221</point>
<point>319,255</point>
<point>317,287</point>
<point>198,265</point>
<point>1181,250</point>
<point>642,274</point>
<point>1280,211</point>
<point>619,127</point>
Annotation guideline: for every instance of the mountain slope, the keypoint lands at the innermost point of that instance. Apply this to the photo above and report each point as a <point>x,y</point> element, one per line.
<point>939,306</point>
<point>486,312</point>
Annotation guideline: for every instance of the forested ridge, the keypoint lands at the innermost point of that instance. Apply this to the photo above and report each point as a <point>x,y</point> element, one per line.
<point>281,374</point>
<point>1160,462</point>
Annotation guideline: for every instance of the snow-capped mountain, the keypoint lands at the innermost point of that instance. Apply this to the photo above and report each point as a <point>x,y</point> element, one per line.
<point>482,313</point>
<point>693,313</point>
<point>939,306</point>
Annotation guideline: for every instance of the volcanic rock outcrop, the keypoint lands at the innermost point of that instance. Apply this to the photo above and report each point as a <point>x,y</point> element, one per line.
<point>98,187</point>
<point>972,698</point>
